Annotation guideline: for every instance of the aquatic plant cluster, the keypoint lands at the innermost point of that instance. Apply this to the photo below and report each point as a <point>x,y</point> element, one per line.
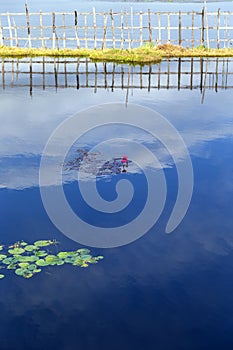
<point>95,166</point>
<point>28,259</point>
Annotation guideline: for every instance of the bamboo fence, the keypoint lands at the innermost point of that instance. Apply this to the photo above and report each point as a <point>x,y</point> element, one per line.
<point>125,29</point>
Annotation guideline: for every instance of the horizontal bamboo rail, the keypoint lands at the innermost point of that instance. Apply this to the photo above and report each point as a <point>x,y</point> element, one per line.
<point>116,29</point>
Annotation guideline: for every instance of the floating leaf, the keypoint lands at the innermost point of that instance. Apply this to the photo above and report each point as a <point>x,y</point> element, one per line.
<point>83,251</point>
<point>41,253</point>
<point>8,261</point>
<point>2,276</point>
<point>1,247</point>
<point>16,251</point>
<point>31,248</point>
<point>42,262</point>
<point>43,243</point>
<point>23,265</point>
<point>20,272</point>
<point>63,255</point>
<point>2,256</point>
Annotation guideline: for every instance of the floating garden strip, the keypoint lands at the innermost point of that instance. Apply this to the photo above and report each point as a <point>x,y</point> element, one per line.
<point>28,260</point>
<point>146,54</point>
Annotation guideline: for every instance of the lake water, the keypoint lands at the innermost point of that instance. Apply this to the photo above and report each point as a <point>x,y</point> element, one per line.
<point>162,291</point>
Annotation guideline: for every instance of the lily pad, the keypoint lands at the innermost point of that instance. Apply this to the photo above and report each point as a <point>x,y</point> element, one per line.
<point>43,243</point>
<point>2,256</point>
<point>16,251</point>
<point>31,248</point>
<point>2,276</point>
<point>42,262</point>
<point>23,265</point>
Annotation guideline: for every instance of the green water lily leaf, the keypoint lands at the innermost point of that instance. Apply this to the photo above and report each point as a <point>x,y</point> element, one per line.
<point>31,248</point>
<point>23,265</point>
<point>42,262</point>
<point>8,261</point>
<point>20,271</point>
<point>83,251</point>
<point>2,256</point>
<point>63,255</point>
<point>16,251</point>
<point>1,247</point>
<point>43,243</point>
<point>1,276</point>
<point>32,267</point>
<point>41,253</point>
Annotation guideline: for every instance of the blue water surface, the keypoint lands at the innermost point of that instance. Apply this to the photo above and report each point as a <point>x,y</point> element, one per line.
<point>163,291</point>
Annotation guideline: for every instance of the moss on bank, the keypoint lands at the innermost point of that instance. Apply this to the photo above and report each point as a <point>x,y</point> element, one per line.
<point>140,56</point>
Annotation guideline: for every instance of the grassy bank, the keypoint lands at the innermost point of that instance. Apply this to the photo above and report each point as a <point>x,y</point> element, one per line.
<point>143,55</point>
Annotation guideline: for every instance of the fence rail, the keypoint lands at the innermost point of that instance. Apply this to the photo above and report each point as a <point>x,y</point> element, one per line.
<point>178,74</point>
<point>125,29</point>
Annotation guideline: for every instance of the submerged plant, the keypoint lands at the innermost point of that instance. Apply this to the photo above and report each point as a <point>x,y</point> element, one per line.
<point>28,259</point>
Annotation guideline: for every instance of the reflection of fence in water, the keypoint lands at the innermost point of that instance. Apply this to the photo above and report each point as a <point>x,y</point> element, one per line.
<point>125,29</point>
<point>81,73</point>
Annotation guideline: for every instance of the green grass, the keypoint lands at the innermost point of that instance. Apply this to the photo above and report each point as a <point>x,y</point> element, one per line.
<point>144,55</point>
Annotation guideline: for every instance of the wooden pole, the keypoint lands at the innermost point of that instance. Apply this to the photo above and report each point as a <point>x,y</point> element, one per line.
<point>64,30</point>
<point>180,26</point>
<point>128,30</point>
<point>122,30</point>
<point>159,29</point>
<point>168,28</point>
<point>192,28</point>
<point>16,34</point>
<point>1,35</point>
<point>149,27</point>
<point>10,29</point>
<point>28,25</point>
<point>113,31</point>
<point>141,39</point>
<point>203,26</point>
<point>131,26</point>
<point>105,31</point>
<point>41,30</point>
<point>55,39</point>
<point>86,31</point>
<point>218,26</point>
<point>76,28</point>
<point>94,23</point>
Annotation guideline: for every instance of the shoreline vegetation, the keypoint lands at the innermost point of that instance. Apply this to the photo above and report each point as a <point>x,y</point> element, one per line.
<point>144,55</point>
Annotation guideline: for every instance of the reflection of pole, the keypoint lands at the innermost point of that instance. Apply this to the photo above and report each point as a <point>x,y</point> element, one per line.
<point>206,71</point>
<point>149,77</point>
<point>96,76</point>
<point>77,74</point>
<point>113,76</point>
<point>168,73</point>
<point>179,72</point>
<point>3,74</point>
<point>65,73</point>
<point>43,73</point>
<point>30,77</point>
<point>216,83</point>
<point>201,73</point>
<point>55,73</point>
<point>191,75</point>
